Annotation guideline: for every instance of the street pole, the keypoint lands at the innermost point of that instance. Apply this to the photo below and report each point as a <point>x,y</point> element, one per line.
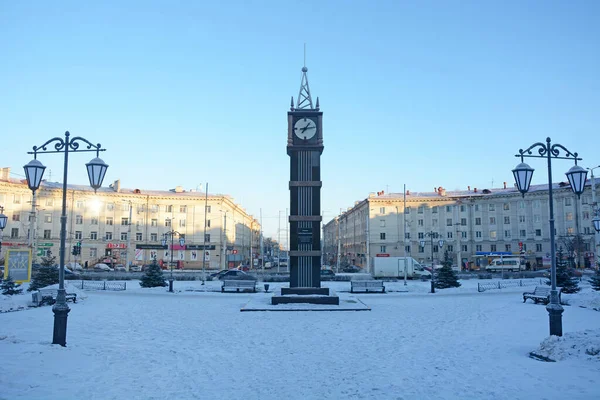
<point>404,234</point>
<point>262,250</point>
<point>32,224</point>
<point>128,238</point>
<point>594,215</point>
<point>368,239</point>
<point>339,246</point>
<point>204,241</point>
<point>171,278</point>
<point>278,240</point>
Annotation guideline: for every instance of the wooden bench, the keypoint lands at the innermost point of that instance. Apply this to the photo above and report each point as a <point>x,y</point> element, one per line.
<point>366,286</point>
<point>48,296</point>
<point>541,294</point>
<point>239,284</point>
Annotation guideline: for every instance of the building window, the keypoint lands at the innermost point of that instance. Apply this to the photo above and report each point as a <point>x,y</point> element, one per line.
<point>537,218</point>
<point>48,218</point>
<point>208,209</point>
<point>109,221</point>
<point>169,208</point>
<point>407,249</point>
<point>78,235</point>
<point>110,206</point>
<point>538,247</point>
<point>493,247</point>
<point>207,237</point>
<point>167,222</point>
<point>382,236</point>
<point>382,210</point>
<point>521,204</point>
<point>463,208</point>
<point>448,208</point>
<point>507,220</point>
<point>79,204</point>
<point>476,207</point>
<point>182,209</point>
<point>536,204</point>
<point>491,207</point>
<point>435,248</point>
<point>154,208</point>
<point>449,222</point>
<point>78,219</point>
<point>382,249</point>
<point>420,209</point>
<point>492,234</point>
<point>93,235</point>
<point>464,248</point>
<point>492,220</point>
<point>450,248</point>
<point>382,223</point>
<point>208,223</point>
<point>434,222</point>
<point>449,235</point>
<point>570,231</point>
<point>49,202</point>
<point>478,234</point>
<point>407,235</point>
<point>522,233</point>
<point>17,199</point>
<point>568,201</point>
<point>463,221</point>
<point>507,247</point>
<point>154,222</point>
<point>420,222</point>
<point>538,232</point>
<point>569,216</point>
<point>14,233</point>
<point>108,236</point>
<point>421,235</point>
<point>421,249</point>
<point>47,233</point>
<point>125,221</point>
<point>93,252</point>
<point>94,221</point>
<point>524,246</point>
<point>434,210</point>
<point>506,234</point>
<point>506,206</point>
<point>182,223</point>
<point>463,235</point>
<point>154,237</point>
<point>138,236</point>
<point>407,210</point>
<point>123,235</point>
<point>585,215</point>
<point>521,218</point>
<point>478,247</point>
<point>16,217</point>
<point>477,221</point>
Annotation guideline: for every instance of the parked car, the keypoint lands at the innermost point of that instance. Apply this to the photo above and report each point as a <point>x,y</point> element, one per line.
<point>73,266</point>
<point>216,275</point>
<point>234,274</point>
<point>327,274</point>
<point>135,268</point>
<point>352,269</point>
<point>120,268</point>
<point>102,268</point>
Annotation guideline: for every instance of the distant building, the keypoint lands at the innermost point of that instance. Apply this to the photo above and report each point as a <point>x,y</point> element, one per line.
<point>109,231</point>
<point>472,224</point>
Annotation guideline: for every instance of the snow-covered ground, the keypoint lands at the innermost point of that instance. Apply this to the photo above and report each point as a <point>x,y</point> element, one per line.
<point>196,344</point>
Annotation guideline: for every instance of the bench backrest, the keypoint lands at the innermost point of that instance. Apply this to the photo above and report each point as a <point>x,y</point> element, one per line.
<point>367,283</point>
<point>542,290</point>
<point>239,282</point>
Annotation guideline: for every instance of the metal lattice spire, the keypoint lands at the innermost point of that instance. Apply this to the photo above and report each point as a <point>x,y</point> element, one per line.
<point>304,99</point>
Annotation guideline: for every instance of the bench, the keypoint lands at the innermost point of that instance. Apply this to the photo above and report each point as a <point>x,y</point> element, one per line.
<point>239,284</point>
<point>48,296</point>
<point>366,286</point>
<point>541,294</point>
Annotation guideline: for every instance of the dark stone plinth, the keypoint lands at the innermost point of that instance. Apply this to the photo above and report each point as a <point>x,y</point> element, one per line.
<point>305,291</point>
<point>305,299</point>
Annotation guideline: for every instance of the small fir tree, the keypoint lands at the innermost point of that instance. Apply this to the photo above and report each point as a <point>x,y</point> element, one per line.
<point>153,276</point>
<point>9,287</point>
<point>46,275</point>
<point>595,280</point>
<point>564,280</point>
<point>445,276</point>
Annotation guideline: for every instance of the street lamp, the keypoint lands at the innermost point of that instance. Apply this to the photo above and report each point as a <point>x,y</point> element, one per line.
<point>576,175</point>
<point>164,243</point>
<point>431,236</point>
<point>3,220</point>
<point>34,170</point>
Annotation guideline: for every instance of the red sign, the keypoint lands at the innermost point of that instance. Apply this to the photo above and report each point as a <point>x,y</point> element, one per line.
<point>234,252</point>
<point>382,255</point>
<point>116,245</point>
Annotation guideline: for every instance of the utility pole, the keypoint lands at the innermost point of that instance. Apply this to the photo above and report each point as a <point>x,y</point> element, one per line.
<point>204,241</point>
<point>404,232</point>
<point>262,248</point>
<point>368,238</point>
<point>129,237</point>
<point>278,240</point>
<point>339,243</point>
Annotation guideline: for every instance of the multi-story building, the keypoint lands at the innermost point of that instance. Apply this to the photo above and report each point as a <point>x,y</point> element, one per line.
<point>127,225</point>
<point>472,223</point>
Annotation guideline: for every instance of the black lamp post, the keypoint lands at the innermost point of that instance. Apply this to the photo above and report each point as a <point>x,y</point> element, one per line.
<point>431,236</point>
<point>3,220</point>
<point>164,243</point>
<point>34,170</point>
<point>577,176</point>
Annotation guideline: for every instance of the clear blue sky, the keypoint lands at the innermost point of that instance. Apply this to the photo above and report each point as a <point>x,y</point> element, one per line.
<point>427,93</point>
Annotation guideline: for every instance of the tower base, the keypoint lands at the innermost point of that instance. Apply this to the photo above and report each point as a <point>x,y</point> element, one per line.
<point>307,295</point>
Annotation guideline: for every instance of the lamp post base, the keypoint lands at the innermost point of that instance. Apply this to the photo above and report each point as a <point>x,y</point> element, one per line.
<point>432,287</point>
<point>555,314</point>
<point>61,312</point>
<point>171,285</point>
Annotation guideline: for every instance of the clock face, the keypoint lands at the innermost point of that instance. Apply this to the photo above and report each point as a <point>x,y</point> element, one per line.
<point>305,128</point>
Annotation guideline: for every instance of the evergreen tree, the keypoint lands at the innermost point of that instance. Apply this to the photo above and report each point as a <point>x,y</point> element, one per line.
<point>153,277</point>
<point>9,287</point>
<point>445,276</point>
<point>46,275</point>
<point>564,280</point>
<point>595,280</point>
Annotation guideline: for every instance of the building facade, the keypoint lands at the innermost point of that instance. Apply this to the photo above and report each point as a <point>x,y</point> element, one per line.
<point>473,224</point>
<point>126,226</point>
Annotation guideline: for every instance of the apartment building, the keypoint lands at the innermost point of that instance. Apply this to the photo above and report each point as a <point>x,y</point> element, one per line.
<point>473,224</point>
<point>127,226</point>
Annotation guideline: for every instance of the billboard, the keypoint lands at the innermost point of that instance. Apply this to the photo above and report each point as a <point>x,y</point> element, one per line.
<point>17,264</point>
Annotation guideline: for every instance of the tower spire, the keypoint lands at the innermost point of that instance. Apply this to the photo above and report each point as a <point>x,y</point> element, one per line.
<point>304,99</point>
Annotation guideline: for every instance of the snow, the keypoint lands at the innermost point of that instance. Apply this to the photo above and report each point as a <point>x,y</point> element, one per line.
<point>196,344</point>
